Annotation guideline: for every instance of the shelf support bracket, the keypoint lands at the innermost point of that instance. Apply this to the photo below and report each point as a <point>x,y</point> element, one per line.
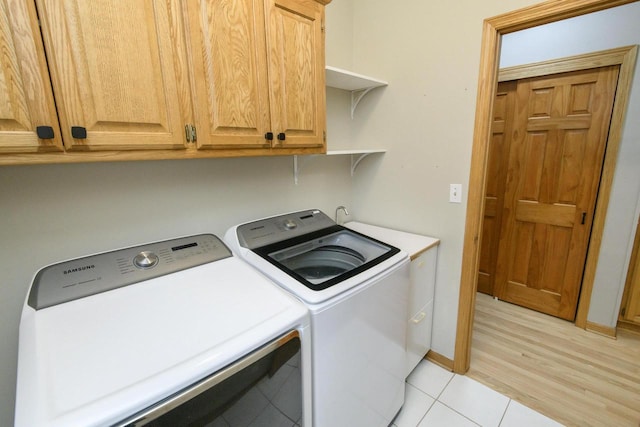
<point>355,156</point>
<point>355,159</point>
<point>356,96</point>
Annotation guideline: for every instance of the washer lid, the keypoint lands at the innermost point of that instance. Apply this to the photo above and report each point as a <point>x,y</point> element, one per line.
<point>98,359</point>
<point>324,263</point>
<point>327,257</point>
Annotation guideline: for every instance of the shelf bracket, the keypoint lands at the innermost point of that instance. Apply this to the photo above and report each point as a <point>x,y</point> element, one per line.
<point>355,159</point>
<point>355,155</point>
<point>356,96</point>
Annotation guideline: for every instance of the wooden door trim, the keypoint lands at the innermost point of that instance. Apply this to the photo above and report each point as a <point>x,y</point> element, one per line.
<point>633,274</point>
<point>606,181</point>
<point>603,58</point>
<point>493,29</point>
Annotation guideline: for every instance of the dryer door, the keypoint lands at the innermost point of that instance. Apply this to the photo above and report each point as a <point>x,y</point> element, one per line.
<point>228,396</point>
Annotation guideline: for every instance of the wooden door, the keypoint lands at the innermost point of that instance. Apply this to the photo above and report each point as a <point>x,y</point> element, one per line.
<point>503,111</point>
<point>229,56</point>
<point>26,98</point>
<point>295,37</point>
<point>114,72</point>
<point>630,311</point>
<point>559,136</point>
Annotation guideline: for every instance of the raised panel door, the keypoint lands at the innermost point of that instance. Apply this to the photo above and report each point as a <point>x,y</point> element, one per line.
<point>503,112</point>
<point>560,131</point>
<point>114,72</point>
<point>295,36</point>
<point>26,99</point>
<point>229,57</point>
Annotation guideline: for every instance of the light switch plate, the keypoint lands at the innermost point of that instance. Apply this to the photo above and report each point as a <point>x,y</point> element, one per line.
<point>455,193</point>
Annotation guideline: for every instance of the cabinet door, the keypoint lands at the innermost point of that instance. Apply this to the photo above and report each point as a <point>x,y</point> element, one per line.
<point>114,72</point>
<point>295,37</point>
<point>423,280</point>
<point>228,52</point>
<point>26,100</point>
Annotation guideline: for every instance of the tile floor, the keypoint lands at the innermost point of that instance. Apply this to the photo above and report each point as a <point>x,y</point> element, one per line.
<point>436,397</point>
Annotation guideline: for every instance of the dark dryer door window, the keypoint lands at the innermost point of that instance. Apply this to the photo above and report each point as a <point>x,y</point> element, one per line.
<point>271,375</point>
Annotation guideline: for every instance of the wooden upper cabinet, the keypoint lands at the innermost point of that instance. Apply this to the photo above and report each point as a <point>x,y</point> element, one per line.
<point>229,68</point>
<point>131,80</point>
<point>258,71</point>
<point>295,35</point>
<point>115,72</point>
<point>26,100</point>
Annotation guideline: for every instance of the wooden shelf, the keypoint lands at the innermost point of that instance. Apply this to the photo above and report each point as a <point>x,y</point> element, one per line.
<point>359,85</point>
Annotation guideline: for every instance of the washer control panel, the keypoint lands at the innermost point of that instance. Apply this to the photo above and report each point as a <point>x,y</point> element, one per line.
<point>278,228</point>
<point>83,277</point>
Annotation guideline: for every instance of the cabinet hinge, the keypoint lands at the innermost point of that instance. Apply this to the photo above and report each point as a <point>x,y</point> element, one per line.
<point>190,133</point>
<point>623,311</point>
<point>324,136</point>
<point>322,26</point>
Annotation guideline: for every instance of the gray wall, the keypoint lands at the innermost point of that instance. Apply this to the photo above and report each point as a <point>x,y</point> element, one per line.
<point>608,29</point>
<point>429,53</point>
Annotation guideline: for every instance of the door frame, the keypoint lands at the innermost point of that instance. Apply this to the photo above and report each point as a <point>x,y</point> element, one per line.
<point>493,29</point>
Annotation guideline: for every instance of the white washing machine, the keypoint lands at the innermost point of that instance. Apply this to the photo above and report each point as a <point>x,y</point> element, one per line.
<point>169,333</point>
<point>357,291</point>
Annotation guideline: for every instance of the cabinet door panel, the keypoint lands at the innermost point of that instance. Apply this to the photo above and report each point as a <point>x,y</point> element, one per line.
<point>419,332</point>
<point>230,73</point>
<point>296,69</point>
<point>26,99</point>
<point>423,279</point>
<point>113,72</point>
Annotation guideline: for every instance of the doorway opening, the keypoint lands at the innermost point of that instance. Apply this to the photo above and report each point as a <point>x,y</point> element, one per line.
<point>494,28</point>
<point>549,134</point>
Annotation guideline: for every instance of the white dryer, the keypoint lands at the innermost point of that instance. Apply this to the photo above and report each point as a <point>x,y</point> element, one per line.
<point>169,333</point>
<point>356,288</point>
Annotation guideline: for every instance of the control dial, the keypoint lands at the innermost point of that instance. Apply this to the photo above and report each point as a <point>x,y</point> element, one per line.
<point>145,260</point>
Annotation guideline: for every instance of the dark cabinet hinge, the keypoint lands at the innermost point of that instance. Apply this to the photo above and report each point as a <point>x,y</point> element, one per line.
<point>190,133</point>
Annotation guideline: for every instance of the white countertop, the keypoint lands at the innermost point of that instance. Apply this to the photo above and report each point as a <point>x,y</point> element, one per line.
<point>413,244</point>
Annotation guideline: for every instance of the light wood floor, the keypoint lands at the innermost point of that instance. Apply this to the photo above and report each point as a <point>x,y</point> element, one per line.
<point>576,377</point>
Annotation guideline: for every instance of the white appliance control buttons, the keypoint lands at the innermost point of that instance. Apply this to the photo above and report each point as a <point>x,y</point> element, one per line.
<point>290,224</point>
<point>145,260</point>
